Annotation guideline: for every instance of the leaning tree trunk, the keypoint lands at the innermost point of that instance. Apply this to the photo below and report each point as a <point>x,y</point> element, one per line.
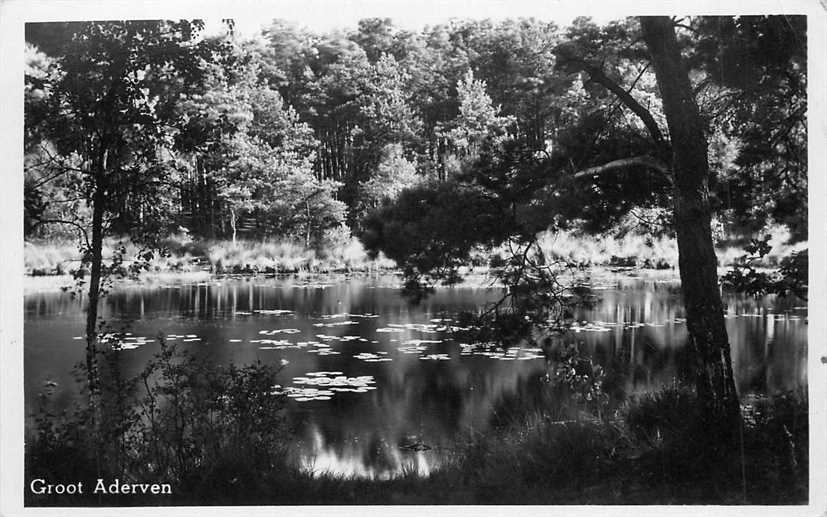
<point>692,213</point>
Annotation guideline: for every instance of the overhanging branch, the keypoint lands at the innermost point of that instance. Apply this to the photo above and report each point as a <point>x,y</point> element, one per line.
<point>574,62</point>
<point>623,163</point>
<point>597,75</point>
<point>81,229</point>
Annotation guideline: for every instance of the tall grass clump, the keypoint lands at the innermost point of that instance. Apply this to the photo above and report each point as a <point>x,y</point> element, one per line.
<point>253,257</point>
<point>63,257</point>
<point>537,461</point>
<point>58,257</point>
<point>653,449</point>
<point>766,460</point>
<point>629,249</point>
<point>181,253</point>
<point>259,257</point>
<point>339,251</point>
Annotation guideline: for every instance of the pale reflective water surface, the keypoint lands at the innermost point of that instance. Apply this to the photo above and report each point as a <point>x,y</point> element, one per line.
<point>373,380</point>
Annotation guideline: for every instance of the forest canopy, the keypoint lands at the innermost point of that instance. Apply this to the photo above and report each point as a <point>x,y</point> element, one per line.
<point>304,135</point>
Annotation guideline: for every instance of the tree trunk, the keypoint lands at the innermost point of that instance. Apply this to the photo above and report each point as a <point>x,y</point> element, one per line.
<point>692,213</point>
<point>307,227</point>
<point>94,292</point>
<point>96,266</point>
<point>232,224</point>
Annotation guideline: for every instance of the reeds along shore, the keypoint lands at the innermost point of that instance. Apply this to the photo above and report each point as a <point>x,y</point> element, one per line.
<point>61,256</point>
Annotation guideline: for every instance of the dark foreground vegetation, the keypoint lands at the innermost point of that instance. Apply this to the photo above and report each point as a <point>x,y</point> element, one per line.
<point>218,435</point>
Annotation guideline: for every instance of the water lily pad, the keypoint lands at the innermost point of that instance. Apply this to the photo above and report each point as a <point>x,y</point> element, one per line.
<point>276,312</point>
<point>412,349</point>
<point>417,342</point>
<point>435,357</point>
<point>278,331</point>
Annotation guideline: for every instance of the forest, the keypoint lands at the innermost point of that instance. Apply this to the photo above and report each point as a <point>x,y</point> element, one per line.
<point>298,135</point>
<point>531,154</point>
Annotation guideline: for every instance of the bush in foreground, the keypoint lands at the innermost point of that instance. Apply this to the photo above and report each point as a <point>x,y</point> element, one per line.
<point>205,429</point>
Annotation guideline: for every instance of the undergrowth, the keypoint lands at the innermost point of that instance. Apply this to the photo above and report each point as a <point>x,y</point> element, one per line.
<point>183,254</point>
<point>218,435</point>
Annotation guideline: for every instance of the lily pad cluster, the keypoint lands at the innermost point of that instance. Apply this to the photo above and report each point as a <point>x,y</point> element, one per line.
<point>324,385</point>
<point>279,331</point>
<point>377,357</point>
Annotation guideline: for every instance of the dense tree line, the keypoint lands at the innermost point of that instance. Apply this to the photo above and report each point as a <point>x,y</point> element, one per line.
<point>293,133</point>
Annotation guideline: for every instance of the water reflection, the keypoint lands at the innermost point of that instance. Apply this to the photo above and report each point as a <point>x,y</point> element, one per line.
<point>375,385</point>
<point>373,458</point>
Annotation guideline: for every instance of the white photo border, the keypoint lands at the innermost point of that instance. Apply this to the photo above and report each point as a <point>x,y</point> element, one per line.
<point>15,13</point>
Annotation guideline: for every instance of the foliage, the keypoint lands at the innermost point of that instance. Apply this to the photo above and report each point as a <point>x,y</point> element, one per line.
<point>665,416</point>
<point>341,252</point>
<point>791,277</point>
<point>624,135</point>
<point>477,122</point>
<point>431,230</point>
<point>256,163</point>
<point>651,453</point>
<point>393,175</point>
<point>200,426</point>
<point>110,104</point>
<point>583,378</point>
<point>334,105</point>
<point>752,81</point>
<point>674,444</point>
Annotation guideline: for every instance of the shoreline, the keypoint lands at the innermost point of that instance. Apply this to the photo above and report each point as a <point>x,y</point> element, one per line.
<point>476,278</point>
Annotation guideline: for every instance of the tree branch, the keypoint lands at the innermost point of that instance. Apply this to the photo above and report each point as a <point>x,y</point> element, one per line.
<point>52,161</point>
<point>597,75</point>
<point>79,227</point>
<point>622,163</point>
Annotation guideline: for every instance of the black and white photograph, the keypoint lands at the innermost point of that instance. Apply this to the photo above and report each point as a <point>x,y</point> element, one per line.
<point>412,253</point>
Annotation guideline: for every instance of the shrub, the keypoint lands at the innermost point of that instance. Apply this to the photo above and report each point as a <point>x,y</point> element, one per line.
<point>206,429</point>
<point>663,416</point>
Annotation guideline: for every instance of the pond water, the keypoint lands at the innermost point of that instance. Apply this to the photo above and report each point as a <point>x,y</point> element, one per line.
<point>373,379</point>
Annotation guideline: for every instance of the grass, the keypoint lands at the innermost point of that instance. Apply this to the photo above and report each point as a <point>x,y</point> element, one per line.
<point>214,256</point>
<point>644,251</point>
<point>608,250</point>
<point>51,257</point>
<point>289,257</point>
<point>346,253</point>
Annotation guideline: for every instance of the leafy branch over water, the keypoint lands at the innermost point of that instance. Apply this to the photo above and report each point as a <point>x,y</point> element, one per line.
<point>748,277</point>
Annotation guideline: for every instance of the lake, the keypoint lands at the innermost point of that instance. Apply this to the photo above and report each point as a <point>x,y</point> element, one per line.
<point>373,380</point>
